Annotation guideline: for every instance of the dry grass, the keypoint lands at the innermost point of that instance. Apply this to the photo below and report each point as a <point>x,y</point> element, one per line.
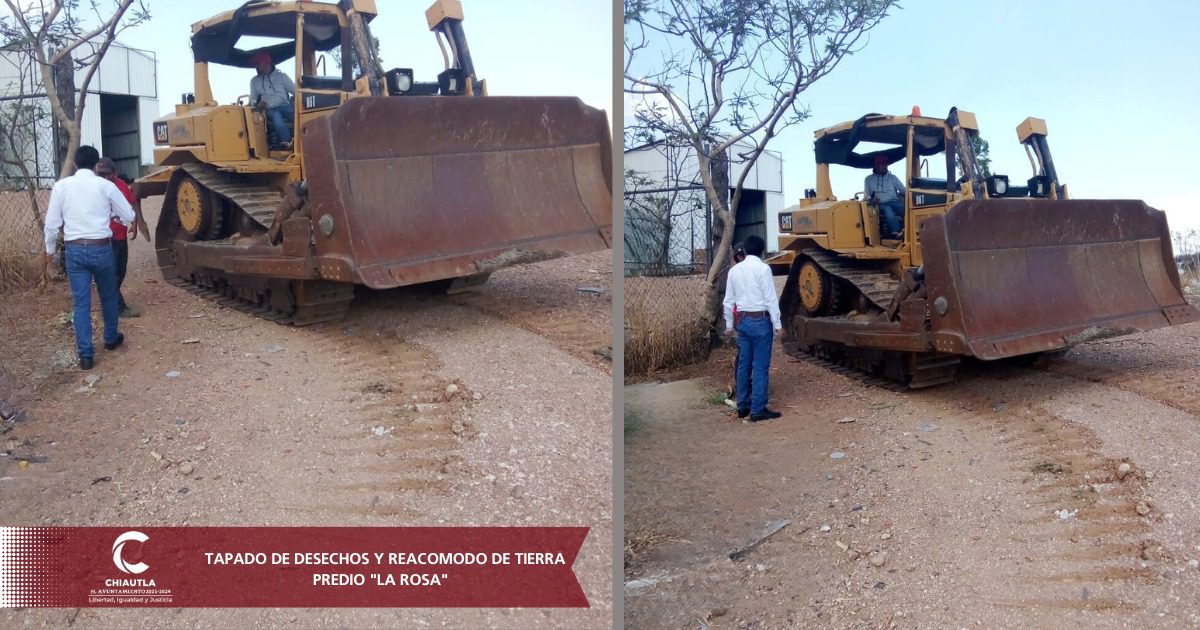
<point>664,324</point>
<point>639,543</point>
<point>1191,285</point>
<point>21,260</point>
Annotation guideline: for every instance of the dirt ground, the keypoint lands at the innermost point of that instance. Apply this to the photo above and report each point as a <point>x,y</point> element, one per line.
<point>342,424</point>
<point>996,501</point>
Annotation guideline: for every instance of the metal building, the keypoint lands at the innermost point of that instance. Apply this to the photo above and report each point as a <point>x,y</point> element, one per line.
<point>667,214</point>
<point>121,105</point>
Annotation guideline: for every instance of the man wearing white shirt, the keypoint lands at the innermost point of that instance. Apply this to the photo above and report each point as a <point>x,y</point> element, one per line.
<point>750,289</point>
<point>81,205</point>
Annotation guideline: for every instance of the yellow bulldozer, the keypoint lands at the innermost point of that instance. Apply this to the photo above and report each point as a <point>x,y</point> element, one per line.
<point>389,181</point>
<point>984,267</point>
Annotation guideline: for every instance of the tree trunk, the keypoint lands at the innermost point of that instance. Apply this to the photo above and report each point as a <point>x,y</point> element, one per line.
<point>64,86</point>
<point>722,235</point>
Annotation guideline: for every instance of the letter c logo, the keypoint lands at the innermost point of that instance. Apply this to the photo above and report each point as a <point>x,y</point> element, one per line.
<point>120,543</point>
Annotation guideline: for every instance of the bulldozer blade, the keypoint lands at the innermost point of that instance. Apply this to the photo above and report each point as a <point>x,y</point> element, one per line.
<point>1007,277</point>
<point>406,190</point>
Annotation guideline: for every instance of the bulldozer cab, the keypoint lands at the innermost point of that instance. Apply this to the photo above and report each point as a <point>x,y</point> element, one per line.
<point>916,149</point>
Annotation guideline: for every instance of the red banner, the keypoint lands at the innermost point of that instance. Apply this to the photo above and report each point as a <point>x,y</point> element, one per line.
<point>510,567</point>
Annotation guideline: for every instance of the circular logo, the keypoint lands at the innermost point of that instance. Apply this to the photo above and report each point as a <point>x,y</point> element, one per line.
<point>119,544</point>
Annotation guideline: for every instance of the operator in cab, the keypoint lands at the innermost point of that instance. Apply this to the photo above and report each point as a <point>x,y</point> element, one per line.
<point>885,189</point>
<point>271,90</point>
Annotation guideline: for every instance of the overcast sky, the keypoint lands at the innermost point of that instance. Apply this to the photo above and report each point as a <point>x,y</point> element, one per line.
<point>1114,80</point>
<point>522,47</point>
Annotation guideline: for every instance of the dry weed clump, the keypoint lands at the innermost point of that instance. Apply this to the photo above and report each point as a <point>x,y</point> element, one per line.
<point>663,323</point>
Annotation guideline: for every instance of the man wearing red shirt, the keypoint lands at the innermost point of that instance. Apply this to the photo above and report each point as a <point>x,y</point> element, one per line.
<point>107,169</point>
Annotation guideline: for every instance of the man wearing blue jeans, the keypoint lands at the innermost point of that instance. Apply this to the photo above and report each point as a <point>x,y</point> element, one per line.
<point>273,91</point>
<point>885,189</point>
<point>750,292</point>
<point>81,205</point>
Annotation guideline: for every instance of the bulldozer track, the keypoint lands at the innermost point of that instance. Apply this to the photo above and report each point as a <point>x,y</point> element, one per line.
<point>931,368</point>
<point>926,369</point>
<point>876,285</point>
<point>289,302</point>
<point>257,201</point>
<point>232,291</point>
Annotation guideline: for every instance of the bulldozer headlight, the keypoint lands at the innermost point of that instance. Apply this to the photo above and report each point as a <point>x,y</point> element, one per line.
<point>997,185</point>
<point>399,81</point>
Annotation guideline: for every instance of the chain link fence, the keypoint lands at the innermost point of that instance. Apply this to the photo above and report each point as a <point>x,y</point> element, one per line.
<point>666,260</point>
<point>28,170</point>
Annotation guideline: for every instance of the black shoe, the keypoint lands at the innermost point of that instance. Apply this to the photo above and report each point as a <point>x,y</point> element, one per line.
<point>113,346</point>
<point>766,414</point>
<point>742,413</point>
<point>85,363</point>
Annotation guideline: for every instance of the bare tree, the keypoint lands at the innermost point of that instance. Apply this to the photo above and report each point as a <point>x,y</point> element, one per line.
<point>654,206</point>
<point>65,36</point>
<point>22,119</point>
<point>723,76</point>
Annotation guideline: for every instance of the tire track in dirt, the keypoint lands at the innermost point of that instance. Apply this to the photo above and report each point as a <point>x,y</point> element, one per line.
<point>389,392</point>
<point>1013,466</point>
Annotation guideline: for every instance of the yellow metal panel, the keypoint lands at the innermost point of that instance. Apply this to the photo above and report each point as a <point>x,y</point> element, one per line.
<point>441,10</point>
<point>181,131</point>
<point>227,132</point>
<point>804,221</point>
<point>167,156</point>
<point>1030,126</point>
<point>256,126</point>
<point>847,225</point>
<point>966,120</point>
<point>365,6</point>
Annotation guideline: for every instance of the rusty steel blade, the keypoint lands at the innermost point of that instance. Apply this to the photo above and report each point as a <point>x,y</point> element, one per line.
<point>1017,276</point>
<point>418,189</point>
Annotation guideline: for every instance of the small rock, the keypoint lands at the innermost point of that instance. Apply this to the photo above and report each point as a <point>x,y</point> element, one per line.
<point>845,420</point>
<point>192,340</point>
<point>885,536</point>
<point>156,455</point>
<point>91,379</point>
<point>825,528</point>
<point>841,545</point>
<point>1123,470</point>
<point>187,468</point>
<point>718,612</point>
<point>927,427</point>
<point>180,421</point>
<point>183,490</point>
<point>173,374</point>
<point>273,348</point>
<point>828,477</point>
<point>517,492</point>
<point>837,455</point>
<point>880,585</point>
<point>1065,514</point>
<point>146,440</point>
<point>457,427</point>
<point>1142,509</point>
<point>1195,564</point>
<point>380,431</point>
<point>489,477</point>
<point>760,567</point>
<point>476,396</point>
<point>451,390</point>
<point>853,554</point>
<point>1000,407</point>
<point>878,559</point>
<point>201,447</point>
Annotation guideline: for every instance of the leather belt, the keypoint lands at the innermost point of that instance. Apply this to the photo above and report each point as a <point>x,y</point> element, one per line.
<point>89,241</point>
<point>753,314</point>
